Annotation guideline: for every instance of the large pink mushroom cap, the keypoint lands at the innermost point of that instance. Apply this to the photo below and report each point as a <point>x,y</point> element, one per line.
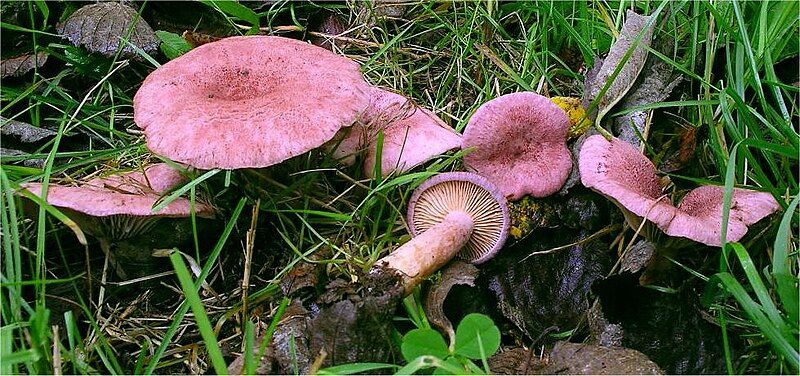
<point>248,102</point>
<point>699,214</point>
<point>620,172</point>
<point>133,193</point>
<point>412,135</point>
<point>520,144</point>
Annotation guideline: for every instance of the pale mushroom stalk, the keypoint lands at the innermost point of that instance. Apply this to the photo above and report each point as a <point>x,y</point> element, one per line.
<point>428,252</point>
<point>453,214</point>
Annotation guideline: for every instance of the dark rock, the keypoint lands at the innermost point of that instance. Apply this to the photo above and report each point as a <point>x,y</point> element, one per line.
<point>552,289</point>
<point>582,359</point>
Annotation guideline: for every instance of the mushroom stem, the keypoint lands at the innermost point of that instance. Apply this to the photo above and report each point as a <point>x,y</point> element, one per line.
<point>429,251</point>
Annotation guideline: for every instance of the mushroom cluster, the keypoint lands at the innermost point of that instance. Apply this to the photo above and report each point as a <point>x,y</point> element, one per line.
<point>620,172</point>
<point>255,101</point>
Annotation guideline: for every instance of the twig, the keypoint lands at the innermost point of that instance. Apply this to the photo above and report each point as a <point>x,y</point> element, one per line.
<point>248,256</point>
<point>597,234</point>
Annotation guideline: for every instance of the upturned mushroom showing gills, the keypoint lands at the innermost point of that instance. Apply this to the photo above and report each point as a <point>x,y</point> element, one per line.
<point>456,213</point>
<point>520,143</point>
<point>248,102</point>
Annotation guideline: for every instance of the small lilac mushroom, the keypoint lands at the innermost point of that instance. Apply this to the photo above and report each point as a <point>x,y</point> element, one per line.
<point>248,102</point>
<point>455,213</point>
<point>620,172</point>
<point>699,214</point>
<point>520,144</point>
<point>412,134</point>
<point>119,207</point>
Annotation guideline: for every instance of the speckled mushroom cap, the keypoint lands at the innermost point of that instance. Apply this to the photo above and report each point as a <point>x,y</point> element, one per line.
<point>699,214</point>
<point>520,144</point>
<point>132,193</point>
<point>248,102</point>
<point>412,135</point>
<point>469,193</point>
<point>620,172</point>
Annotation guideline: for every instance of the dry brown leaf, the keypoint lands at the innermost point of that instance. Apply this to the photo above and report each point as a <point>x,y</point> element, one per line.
<point>104,27</point>
<point>634,25</point>
<point>17,66</point>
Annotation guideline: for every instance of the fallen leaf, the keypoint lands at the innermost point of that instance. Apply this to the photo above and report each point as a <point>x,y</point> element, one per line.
<point>687,143</point>
<point>458,273</point>
<point>585,359</point>
<point>656,84</point>
<point>25,132</point>
<point>196,39</point>
<point>104,27</point>
<point>17,66</point>
<point>27,162</point>
<point>626,77</point>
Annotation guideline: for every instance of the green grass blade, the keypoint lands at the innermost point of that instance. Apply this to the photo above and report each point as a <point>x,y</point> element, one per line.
<point>235,9</point>
<point>753,310</point>
<point>786,283</point>
<point>200,317</point>
<point>212,258</point>
<point>161,204</point>
<point>762,294</point>
<point>350,369</point>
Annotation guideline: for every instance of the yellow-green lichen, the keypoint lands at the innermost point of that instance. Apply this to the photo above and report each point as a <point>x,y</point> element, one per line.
<point>578,122</point>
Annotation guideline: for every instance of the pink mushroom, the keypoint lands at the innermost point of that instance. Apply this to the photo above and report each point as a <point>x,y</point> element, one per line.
<point>120,206</point>
<point>248,102</point>
<point>412,134</point>
<point>520,144</point>
<point>620,172</point>
<point>700,214</point>
<point>131,194</point>
<point>455,213</point>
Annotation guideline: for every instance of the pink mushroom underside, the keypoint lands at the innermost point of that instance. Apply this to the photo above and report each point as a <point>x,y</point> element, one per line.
<point>519,143</point>
<point>248,102</point>
<point>699,214</point>
<point>619,171</point>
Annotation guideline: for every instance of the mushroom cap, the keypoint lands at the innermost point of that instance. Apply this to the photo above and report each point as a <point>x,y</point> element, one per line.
<point>248,102</point>
<point>132,193</point>
<point>411,134</point>
<point>520,144</point>
<point>620,172</point>
<point>699,214</point>
<point>469,193</point>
